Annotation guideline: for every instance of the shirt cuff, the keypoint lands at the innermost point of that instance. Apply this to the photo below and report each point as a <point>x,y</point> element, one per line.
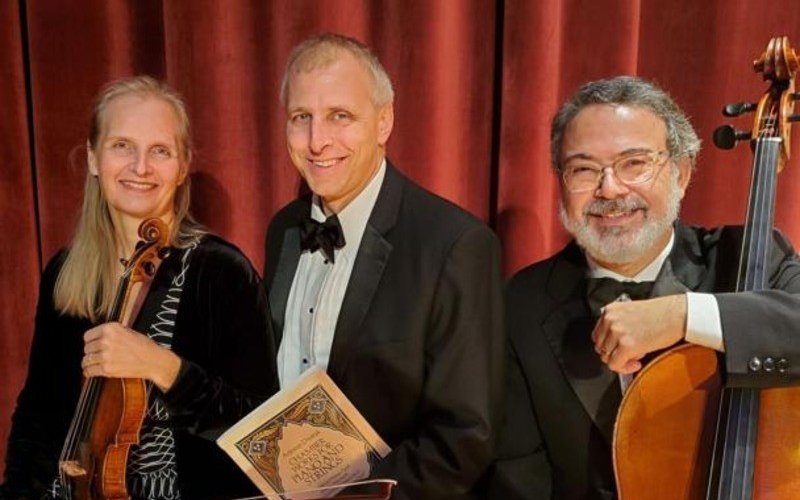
<point>703,325</point>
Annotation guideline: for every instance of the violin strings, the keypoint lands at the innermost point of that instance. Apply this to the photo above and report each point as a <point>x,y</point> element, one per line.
<point>86,408</point>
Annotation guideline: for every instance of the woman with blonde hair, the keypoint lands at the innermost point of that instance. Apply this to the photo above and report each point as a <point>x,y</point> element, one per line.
<point>202,338</point>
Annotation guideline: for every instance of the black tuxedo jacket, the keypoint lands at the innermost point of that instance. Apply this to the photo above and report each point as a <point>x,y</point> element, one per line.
<point>562,401</point>
<point>418,345</point>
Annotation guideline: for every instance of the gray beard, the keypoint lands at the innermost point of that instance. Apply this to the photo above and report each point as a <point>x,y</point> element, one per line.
<point>621,245</point>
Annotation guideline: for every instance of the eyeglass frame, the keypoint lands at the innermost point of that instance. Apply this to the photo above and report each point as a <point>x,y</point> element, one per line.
<point>657,158</point>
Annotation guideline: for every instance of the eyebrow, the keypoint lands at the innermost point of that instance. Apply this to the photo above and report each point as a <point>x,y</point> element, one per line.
<point>329,109</point>
<point>173,144</point>
<point>626,152</point>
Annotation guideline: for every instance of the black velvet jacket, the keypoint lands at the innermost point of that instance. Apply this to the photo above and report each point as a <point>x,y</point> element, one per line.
<point>223,337</point>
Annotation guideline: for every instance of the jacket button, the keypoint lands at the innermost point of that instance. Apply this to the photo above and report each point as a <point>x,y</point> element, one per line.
<point>769,365</point>
<point>754,364</point>
<point>782,365</point>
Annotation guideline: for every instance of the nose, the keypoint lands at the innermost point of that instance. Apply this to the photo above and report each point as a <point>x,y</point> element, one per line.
<point>610,186</point>
<point>140,164</point>
<point>319,136</point>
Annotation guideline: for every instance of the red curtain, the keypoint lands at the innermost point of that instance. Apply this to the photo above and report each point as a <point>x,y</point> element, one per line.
<point>476,82</point>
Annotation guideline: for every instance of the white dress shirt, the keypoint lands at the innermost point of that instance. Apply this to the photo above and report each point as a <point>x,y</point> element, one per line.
<point>318,288</point>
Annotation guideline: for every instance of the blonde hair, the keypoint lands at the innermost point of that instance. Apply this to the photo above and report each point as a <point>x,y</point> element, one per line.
<point>323,50</point>
<point>86,283</point>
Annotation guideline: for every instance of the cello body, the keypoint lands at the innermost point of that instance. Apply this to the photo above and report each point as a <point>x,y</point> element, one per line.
<point>663,441</point>
<point>680,434</point>
<point>662,426</point>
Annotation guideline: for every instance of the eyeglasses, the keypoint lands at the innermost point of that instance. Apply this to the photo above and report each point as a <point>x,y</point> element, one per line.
<point>581,175</point>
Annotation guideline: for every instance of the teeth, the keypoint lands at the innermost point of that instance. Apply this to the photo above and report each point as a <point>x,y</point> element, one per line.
<point>138,185</point>
<point>325,163</point>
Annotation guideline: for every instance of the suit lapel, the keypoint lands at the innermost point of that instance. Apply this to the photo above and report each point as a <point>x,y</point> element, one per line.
<point>568,331</point>
<point>284,275</point>
<point>685,269</point>
<point>371,260</point>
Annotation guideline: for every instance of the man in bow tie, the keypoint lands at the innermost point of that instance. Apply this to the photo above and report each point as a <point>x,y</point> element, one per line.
<point>393,289</point>
<point>633,281</point>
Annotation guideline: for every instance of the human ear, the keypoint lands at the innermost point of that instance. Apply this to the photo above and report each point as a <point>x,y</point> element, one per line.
<point>91,159</point>
<point>684,173</point>
<point>385,123</point>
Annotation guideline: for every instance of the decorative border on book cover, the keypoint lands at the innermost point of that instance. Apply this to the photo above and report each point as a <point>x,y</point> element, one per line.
<point>317,455</point>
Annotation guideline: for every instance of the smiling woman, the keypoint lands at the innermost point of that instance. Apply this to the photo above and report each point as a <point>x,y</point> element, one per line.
<point>202,340</point>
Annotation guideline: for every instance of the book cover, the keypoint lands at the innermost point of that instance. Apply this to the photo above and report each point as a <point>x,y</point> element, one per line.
<point>307,436</point>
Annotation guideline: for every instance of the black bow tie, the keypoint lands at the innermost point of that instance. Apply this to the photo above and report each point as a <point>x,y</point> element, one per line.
<point>328,236</point>
<point>603,291</point>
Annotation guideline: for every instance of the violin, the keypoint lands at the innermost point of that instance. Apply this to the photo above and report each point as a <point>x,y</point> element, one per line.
<point>110,411</point>
<point>679,432</point>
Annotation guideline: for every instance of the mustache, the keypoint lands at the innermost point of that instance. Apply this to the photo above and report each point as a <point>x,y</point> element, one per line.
<point>604,207</point>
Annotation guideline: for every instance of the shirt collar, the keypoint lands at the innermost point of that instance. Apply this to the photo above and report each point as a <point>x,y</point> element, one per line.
<point>649,273</point>
<point>353,218</point>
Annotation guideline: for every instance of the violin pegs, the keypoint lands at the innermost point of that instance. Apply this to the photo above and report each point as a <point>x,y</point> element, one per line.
<point>738,108</point>
<point>163,252</point>
<point>725,137</point>
<point>149,268</point>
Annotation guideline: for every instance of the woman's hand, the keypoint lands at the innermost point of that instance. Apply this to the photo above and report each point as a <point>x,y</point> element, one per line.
<point>111,350</point>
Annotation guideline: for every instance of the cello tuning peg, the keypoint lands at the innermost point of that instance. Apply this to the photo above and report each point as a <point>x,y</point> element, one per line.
<point>795,96</point>
<point>793,118</point>
<point>163,252</point>
<point>725,137</point>
<point>738,108</point>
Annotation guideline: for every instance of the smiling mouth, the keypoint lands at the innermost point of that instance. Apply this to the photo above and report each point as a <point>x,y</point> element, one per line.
<point>617,216</point>
<point>326,163</point>
<point>138,186</point>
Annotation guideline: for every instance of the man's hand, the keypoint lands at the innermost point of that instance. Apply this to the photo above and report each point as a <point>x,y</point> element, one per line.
<point>627,331</point>
<point>111,350</point>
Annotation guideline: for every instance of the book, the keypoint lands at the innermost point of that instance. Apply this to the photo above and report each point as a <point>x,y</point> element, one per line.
<point>306,437</point>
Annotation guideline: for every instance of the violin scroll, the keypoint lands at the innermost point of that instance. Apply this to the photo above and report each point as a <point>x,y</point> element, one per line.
<point>150,250</point>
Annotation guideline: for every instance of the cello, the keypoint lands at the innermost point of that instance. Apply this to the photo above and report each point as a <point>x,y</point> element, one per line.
<point>679,433</point>
<point>110,411</point>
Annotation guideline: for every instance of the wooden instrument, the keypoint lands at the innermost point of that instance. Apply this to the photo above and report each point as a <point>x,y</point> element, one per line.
<point>110,411</point>
<point>679,434</point>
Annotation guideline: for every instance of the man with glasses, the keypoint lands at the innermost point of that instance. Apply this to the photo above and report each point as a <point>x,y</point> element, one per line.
<point>634,281</point>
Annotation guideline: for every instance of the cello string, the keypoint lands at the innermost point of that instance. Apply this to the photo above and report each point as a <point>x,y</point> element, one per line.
<point>736,462</point>
<point>758,232</point>
<point>767,171</point>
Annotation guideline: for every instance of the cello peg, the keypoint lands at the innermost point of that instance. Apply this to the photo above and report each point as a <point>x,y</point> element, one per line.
<point>793,118</point>
<point>725,137</point>
<point>795,96</point>
<point>738,108</point>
